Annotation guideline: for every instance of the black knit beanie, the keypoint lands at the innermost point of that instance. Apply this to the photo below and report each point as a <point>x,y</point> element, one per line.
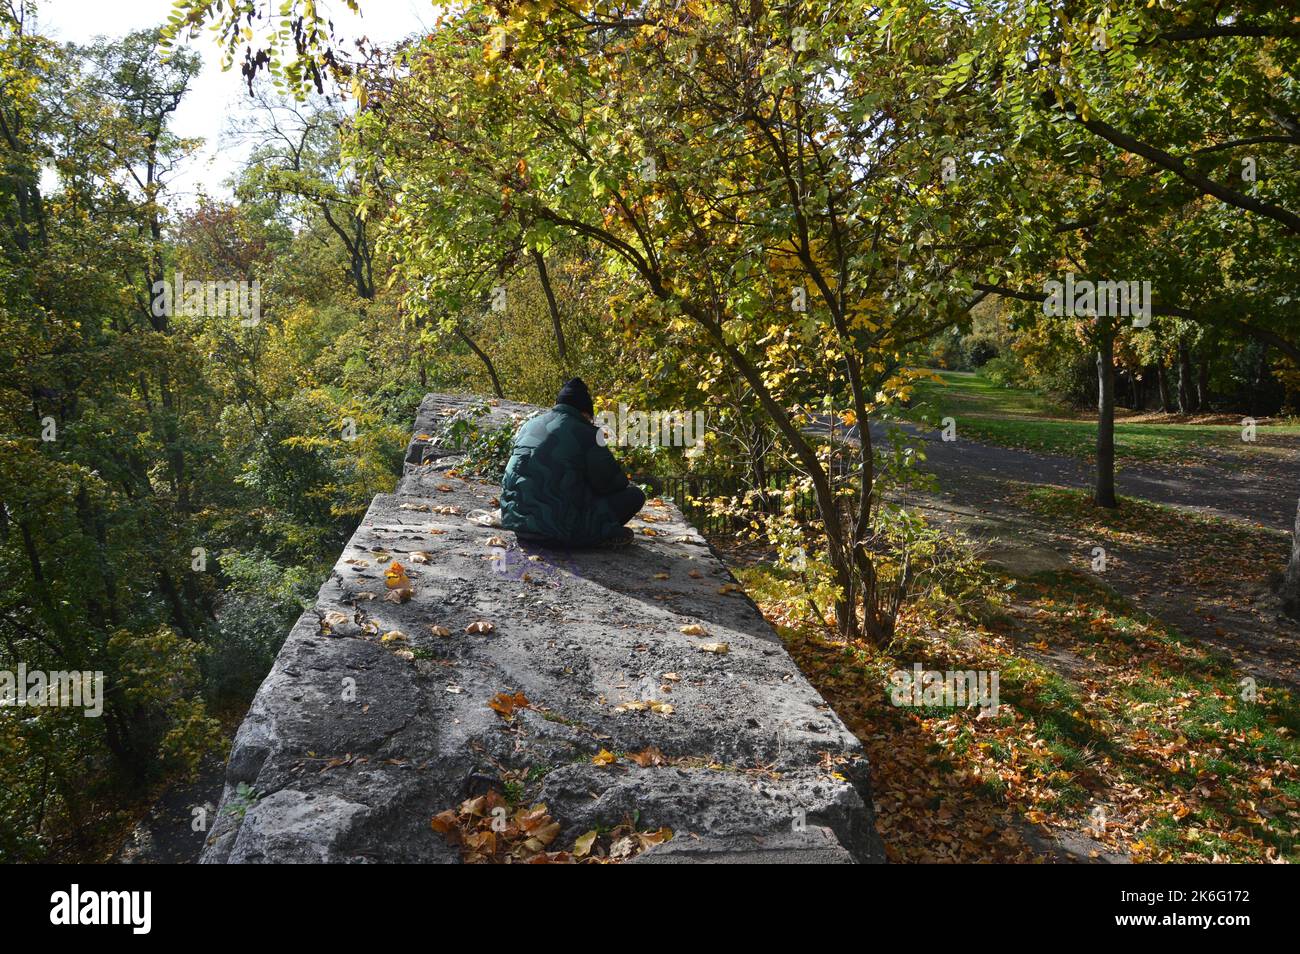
<point>575,394</point>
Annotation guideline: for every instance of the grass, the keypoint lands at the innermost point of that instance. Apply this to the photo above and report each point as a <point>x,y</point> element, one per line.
<point>1014,417</point>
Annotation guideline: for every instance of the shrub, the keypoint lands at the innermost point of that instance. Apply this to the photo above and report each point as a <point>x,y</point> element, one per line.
<point>977,350</point>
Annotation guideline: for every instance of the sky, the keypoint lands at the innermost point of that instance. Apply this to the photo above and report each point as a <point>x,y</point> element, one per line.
<point>217,95</point>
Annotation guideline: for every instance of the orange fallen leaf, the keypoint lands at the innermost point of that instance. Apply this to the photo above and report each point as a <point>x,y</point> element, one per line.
<point>444,822</point>
<point>648,757</point>
<point>505,704</point>
<point>395,576</point>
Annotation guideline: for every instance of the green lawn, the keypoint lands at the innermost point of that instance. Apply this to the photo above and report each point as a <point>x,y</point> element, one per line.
<point>1013,417</point>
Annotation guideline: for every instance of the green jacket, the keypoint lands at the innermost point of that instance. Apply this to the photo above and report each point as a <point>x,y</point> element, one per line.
<point>556,479</point>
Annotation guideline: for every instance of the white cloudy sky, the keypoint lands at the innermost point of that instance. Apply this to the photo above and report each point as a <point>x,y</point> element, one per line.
<point>216,95</point>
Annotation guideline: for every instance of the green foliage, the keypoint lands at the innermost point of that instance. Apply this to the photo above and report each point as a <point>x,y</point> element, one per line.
<point>137,443</point>
<point>245,797</point>
<point>487,451</point>
<point>259,604</point>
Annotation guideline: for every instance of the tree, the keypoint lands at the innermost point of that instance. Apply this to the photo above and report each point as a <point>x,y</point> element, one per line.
<point>296,161</point>
<point>1207,95</point>
<point>99,506</point>
<point>764,176</point>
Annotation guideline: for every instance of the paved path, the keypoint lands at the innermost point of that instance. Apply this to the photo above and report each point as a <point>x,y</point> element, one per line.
<point>1262,492</point>
<point>1237,617</point>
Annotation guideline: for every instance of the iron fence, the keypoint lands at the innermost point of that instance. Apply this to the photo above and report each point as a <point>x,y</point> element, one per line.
<point>692,494</point>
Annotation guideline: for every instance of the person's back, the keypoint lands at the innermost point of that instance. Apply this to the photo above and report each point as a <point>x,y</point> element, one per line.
<point>562,486</point>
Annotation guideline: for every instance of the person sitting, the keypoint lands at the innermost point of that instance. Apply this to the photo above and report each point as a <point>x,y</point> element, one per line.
<point>562,486</point>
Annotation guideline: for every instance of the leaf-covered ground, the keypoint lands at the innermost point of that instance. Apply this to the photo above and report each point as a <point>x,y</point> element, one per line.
<point>1207,576</point>
<point>1112,731</point>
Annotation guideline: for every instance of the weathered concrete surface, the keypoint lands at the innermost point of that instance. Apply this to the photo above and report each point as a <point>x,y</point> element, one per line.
<point>764,771</point>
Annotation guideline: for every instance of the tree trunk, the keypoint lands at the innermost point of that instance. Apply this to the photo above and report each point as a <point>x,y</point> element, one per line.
<point>540,261</point>
<point>1105,492</point>
<point>1290,591</point>
<point>1203,381</point>
<point>1162,382</point>
<point>1186,394</point>
<point>487,362</point>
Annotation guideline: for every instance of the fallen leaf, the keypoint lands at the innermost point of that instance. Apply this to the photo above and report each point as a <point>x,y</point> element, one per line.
<point>604,757</point>
<point>440,630</point>
<point>582,846</point>
<point>695,629</point>
<point>395,576</point>
<point>481,626</point>
<point>543,836</point>
<point>505,704</point>
<point>720,648</point>
<point>649,838</point>
<point>648,757</point>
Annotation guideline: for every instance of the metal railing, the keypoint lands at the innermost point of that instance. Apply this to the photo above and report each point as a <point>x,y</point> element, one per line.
<point>693,492</point>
